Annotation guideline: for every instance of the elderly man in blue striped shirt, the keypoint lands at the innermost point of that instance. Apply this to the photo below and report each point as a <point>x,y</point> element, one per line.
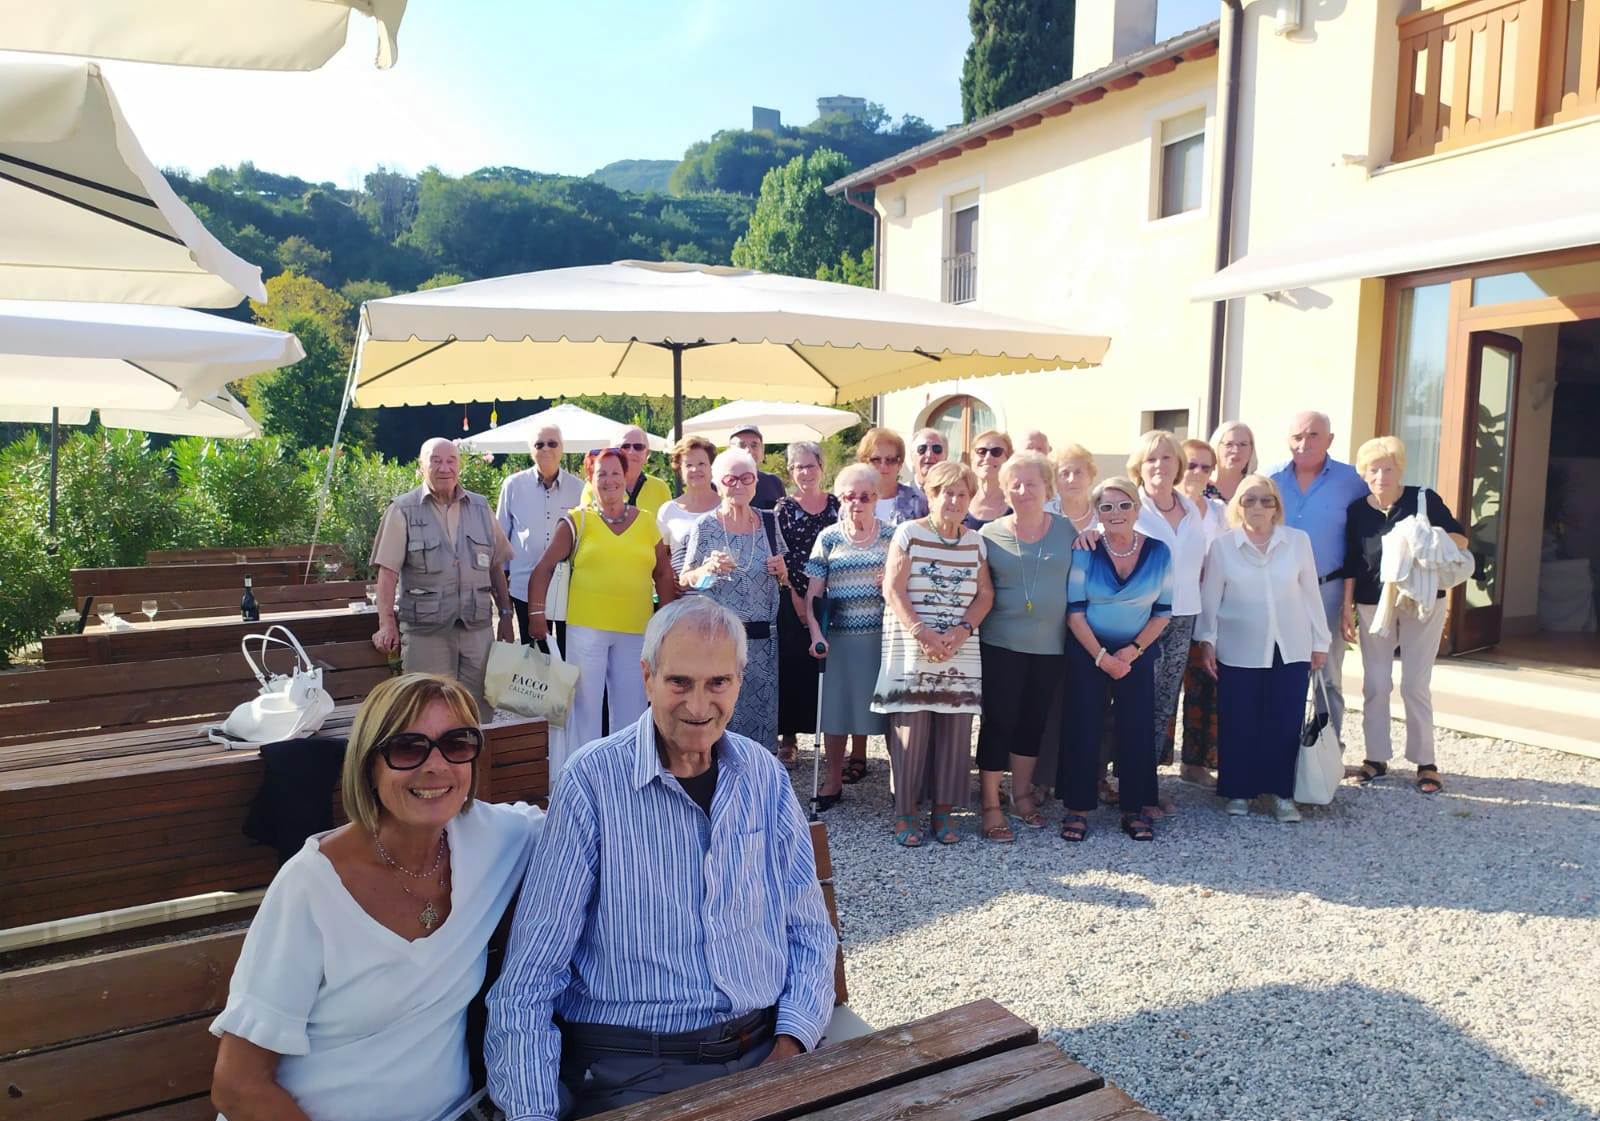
<point>671,928</point>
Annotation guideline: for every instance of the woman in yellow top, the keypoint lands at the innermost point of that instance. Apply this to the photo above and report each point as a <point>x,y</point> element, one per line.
<point>619,556</point>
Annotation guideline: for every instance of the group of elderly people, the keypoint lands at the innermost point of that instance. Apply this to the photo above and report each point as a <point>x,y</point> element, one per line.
<point>1069,612</point>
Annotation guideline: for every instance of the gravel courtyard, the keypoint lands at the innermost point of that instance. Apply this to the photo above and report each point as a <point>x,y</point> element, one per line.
<point>1391,957</point>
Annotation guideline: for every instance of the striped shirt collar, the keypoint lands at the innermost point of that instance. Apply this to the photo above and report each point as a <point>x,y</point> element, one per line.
<point>647,766</point>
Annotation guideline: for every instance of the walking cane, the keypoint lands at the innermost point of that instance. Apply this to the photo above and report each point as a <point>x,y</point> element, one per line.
<point>821,608</point>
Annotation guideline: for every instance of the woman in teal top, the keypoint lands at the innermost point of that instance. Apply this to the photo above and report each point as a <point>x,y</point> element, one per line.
<point>1023,639</point>
<point>1119,598</point>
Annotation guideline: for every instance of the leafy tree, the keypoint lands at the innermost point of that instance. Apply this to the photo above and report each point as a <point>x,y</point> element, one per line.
<point>797,228</point>
<point>358,292</point>
<point>297,255</point>
<point>736,160</point>
<point>239,492</point>
<point>33,591</point>
<point>441,280</point>
<point>1019,47</point>
<point>389,202</point>
<point>300,403</point>
<point>855,270</point>
<point>291,296</point>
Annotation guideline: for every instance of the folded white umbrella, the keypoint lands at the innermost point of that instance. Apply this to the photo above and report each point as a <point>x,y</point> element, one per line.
<point>237,34</point>
<point>680,328</point>
<point>580,431</point>
<point>84,214</point>
<point>780,422</point>
<point>219,415</point>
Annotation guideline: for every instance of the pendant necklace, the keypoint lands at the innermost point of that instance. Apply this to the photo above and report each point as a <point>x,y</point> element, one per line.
<point>1038,560</point>
<point>429,917</point>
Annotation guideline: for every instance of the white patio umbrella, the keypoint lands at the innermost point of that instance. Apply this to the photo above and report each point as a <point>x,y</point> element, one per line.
<point>115,357</point>
<point>706,330</point>
<point>238,34</point>
<point>780,422</point>
<point>219,415</point>
<point>580,431</point>
<point>84,214</point>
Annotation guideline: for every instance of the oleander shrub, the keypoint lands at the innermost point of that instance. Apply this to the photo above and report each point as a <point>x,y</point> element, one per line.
<point>364,483</point>
<point>241,492</point>
<point>33,587</point>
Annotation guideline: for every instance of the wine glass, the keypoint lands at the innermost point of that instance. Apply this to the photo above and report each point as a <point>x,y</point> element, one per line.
<point>372,595</point>
<point>107,612</point>
<point>148,608</point>
<point>330,571</point>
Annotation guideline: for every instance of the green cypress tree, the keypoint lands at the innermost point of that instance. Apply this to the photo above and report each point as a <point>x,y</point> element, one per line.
<point>1019,47</point>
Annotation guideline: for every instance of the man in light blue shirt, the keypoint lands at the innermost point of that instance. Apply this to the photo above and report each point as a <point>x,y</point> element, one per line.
<point>1317,492</point>
<point>531,505</point>
<point>671,928</point>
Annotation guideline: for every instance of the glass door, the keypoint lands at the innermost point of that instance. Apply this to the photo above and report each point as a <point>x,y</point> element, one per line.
<point>1493,366</point>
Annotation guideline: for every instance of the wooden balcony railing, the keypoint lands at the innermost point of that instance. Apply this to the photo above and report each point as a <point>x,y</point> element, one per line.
<point>1480,69</point>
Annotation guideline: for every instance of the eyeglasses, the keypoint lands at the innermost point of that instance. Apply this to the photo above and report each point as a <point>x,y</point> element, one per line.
<point>885,460</point>
<point>633,447</point>
<point>743,480</point>
<point>1193,466</point>
<point>1236,443</point>
<point>1266,501</point>
<point>924,449</point>
<point>996,452</point>
<point>855,496</point>
<point>540,445</point>
<point>1115,507</point>
<point>811,466</point>
<point>406,751</point>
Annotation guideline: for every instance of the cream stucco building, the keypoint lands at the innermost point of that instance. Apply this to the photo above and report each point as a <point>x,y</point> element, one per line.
<point>1415,248</point>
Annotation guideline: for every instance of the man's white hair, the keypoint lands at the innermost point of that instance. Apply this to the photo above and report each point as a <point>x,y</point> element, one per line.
<point>706,619</point>
<point>430,443</point>
<point>1320,417</point>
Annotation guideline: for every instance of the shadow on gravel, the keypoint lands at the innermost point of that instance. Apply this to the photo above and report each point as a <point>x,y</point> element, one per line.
<point>1284,1052</point>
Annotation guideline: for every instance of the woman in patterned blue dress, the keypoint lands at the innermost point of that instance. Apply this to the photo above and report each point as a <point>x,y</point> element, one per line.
<point>846,565</point>
<point>735,556</point>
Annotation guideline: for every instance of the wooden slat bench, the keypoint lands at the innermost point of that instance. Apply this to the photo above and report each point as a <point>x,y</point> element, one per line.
<point>98,646</point>
<point>168,584</point>
<point>223,603</point>
<point>227,554</point>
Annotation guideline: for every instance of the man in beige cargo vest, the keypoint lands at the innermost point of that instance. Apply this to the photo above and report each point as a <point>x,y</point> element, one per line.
<point>441,546</point>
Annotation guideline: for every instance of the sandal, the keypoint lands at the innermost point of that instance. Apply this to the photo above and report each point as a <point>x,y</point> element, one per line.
<point>854,770</point>
<point>1074,827</point>
<point>906,833</point>
<point>1428,779</point>
<point>943,832</point>
<point>1000,834</point>
<point>1138,827</point>
<point>1370,769</point>
<point>788,755</point>
<point>1033,819</point>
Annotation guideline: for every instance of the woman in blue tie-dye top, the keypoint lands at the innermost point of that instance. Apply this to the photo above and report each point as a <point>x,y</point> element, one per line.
<point>1119,598</point>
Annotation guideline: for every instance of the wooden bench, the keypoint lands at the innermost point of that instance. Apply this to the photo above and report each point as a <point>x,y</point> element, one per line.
<point>205,589</point>
<point>143,643</point>
<point>226,554</point>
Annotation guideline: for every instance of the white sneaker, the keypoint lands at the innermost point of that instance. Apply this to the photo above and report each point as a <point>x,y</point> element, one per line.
<point>1285,810</point>
<point>1238,807</point>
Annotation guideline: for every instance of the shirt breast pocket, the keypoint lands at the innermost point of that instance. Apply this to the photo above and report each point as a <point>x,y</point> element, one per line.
<point>749,892</point>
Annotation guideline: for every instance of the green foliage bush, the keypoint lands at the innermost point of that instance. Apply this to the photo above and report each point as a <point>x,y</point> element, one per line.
<point>364,483</point>
<point>33,587</point>
<point>241,492</point>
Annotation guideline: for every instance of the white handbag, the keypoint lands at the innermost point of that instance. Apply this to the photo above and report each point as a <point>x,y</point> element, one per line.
<point>555,596</point>
<point>1320,767</point>
<point>288,706</point>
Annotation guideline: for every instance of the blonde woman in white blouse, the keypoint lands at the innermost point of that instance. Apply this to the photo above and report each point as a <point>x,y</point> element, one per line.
<point>350,996</point>
<point>1263,631</point>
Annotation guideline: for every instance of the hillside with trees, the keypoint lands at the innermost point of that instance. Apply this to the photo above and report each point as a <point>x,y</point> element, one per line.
<point>640,176</point>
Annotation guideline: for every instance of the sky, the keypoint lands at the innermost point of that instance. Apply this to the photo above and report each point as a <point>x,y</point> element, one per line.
<point>560,86</point>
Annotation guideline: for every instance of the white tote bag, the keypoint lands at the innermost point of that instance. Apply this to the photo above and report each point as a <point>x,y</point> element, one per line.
<point>1320,768</point>
<point>527,681</point>
<point>288,706</point>
<point>555,596</point>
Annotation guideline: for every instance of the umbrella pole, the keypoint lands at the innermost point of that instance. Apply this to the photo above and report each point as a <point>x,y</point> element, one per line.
<point>333,451</point>
<point>55,448</point>
<point>677,390</point>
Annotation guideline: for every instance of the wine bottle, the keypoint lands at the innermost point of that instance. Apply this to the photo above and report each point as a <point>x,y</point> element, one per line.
<point>249,610</point>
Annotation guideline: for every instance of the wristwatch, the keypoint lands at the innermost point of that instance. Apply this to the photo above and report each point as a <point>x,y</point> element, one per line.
<point>506,613</point>
<point>969,626</point>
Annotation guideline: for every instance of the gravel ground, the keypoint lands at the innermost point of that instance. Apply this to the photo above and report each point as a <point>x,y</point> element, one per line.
<point>1391,957</point>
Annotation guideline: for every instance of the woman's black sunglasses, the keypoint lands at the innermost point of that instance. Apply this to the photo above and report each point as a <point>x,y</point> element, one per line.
<point>406,751</point>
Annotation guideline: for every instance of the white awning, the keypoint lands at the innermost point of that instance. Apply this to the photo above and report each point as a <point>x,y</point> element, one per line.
<point>237,34</point>
<point>220,416</point>
<point>1404,224</point>
<point>580,431</point>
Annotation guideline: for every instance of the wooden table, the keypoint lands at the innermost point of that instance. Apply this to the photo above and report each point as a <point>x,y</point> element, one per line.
<point>183,637</point>
<point>116,819</point>
<point>977,1062</point>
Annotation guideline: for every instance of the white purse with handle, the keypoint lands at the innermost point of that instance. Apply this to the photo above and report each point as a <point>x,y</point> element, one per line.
<point>288,706</point>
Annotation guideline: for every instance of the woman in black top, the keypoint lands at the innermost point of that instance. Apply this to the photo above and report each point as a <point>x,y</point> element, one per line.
<point>1382,463</point>
<point>801,516</point>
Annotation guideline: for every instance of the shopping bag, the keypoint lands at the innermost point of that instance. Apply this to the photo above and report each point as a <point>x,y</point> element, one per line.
<point>555,596</point>
<point>1320,768</point>
<point>527,681</point>
<point>289,706</point>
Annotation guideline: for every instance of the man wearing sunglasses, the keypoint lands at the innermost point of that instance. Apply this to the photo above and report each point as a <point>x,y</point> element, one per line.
<point>646,492</point>
<point>671,928</point>
<point>769,487</point>
<point>441,548</point>
<point>530,507</point>
<point>930,449</point>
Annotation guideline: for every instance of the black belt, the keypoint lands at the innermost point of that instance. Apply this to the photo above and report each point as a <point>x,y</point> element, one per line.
<point>1330,577</point>
<point>735,1038</point>
<point>759,629</point>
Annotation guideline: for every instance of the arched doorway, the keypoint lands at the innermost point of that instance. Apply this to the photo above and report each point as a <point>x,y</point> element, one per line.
<point>960,419</point>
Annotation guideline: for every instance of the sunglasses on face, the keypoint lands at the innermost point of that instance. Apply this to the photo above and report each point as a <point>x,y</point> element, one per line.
<point>633,447</point>
<point>743,480</point>
<point>1115,507</point>
<point>406,751</point>
<point>924,449</point>
<point>855,496</point>
<point>540,445</point>
<point>884,460</point>
<point>1266,501</point>
<point>981,452</point>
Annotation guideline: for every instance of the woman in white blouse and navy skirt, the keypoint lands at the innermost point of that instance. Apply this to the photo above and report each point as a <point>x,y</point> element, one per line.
<point>350,996</point>
<point>1264,630</point>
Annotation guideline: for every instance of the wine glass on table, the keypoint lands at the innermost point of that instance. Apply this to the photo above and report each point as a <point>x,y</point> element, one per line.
<point>148,608</point>
<point>107,612</point>
<point>372,595</point>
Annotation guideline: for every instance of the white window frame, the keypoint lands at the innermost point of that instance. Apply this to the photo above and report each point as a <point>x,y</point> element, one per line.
<point>954,198</point>
<point>1204,101</point>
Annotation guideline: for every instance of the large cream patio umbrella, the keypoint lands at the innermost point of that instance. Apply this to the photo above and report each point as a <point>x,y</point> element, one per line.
<point>674,327</point>
<point>218,415</point>
<point>84,214</point>
<point>237,34</point>
<point>780,422</point>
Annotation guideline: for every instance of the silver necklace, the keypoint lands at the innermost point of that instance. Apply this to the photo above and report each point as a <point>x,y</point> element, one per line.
<point>866,538</point>
<point>934,526</point>
<point>429,917</point>
<point>609,520</point>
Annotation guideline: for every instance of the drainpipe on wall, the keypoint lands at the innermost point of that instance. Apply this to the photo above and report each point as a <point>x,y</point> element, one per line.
<point>1224,253</point>
<point>877,270</point>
